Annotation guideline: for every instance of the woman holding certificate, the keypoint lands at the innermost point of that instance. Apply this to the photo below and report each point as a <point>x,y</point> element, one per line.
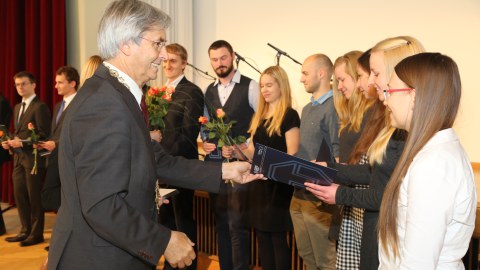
<point>428,210</point>
<point>383,153</point>
<point>275,124</point>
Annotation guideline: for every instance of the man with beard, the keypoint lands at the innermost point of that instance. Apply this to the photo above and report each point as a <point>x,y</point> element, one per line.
<point>237,95</point>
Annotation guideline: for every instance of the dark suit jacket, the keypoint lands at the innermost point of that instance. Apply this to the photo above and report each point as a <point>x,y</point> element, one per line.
<point>51,187</point>
<point>39,115</point>
<point>181,122</point>
<point>5,114</point>
<point>108,168</point>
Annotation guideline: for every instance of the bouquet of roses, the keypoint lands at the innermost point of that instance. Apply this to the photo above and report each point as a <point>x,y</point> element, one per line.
<point>157,100</point>
<point>218,129</point>
<point>34,138</point>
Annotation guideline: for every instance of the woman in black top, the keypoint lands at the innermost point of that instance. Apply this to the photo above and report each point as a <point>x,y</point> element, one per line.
<point>275,124</point>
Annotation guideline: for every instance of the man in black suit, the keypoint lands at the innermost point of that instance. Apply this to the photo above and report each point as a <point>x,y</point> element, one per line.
<point>27,185</point>
<point>66,83</point>
<point>108,163</point>
<point>5,113</point>
<point>180,139</point>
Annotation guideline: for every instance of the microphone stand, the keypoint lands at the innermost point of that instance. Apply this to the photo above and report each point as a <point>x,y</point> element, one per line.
<point>201,71</point>
<point>239,57</point>
<point>280,53</point>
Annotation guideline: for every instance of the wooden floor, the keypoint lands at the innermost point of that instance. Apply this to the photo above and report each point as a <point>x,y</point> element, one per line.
<point>15,257</point>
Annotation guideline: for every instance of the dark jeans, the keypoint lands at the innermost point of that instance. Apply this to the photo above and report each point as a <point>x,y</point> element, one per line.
<point>273,250</point>
<point>232,233</point>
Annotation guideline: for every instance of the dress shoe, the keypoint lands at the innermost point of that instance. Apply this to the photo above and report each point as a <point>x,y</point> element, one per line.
<point>17,238</point>
<point>30,241</point>
<point>3,231</point>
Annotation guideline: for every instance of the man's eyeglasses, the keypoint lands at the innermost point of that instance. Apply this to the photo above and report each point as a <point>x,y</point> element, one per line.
<point>22,84</point>
<point>156,44</point>
<point>386,93</point>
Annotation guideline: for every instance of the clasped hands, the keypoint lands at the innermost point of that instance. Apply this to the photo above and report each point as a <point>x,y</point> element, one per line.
<point>15,143</point>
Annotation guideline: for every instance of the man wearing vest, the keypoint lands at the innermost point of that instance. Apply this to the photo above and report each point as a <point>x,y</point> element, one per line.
<point>238,96</point>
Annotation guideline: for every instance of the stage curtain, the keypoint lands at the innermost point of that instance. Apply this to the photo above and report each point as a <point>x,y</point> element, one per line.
<point>34,39</point>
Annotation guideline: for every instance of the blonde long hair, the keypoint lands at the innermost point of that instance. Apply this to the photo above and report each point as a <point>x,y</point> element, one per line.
<point>394,50</point>
<point>273,124</point>
<point>437,85</point>
<point>350,111</point>
<point>90,66</point>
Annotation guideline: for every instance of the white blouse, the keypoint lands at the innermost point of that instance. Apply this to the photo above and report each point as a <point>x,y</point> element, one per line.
<point>436,208</point>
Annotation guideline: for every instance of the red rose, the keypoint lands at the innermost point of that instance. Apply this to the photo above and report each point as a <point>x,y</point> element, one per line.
<point>220,113</point>
<point>170,90</point>
<point>31,126</point>
<point>202,120</point>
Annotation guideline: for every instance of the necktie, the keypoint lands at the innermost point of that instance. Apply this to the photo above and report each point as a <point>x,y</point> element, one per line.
<point>143,106</point>
<point>60,111</point>
<point>22,110</point>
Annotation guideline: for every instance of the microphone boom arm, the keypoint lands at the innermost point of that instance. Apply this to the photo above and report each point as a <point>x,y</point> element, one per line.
<point>201,71</point>
<point>280,52</point>
<point>240,58</point>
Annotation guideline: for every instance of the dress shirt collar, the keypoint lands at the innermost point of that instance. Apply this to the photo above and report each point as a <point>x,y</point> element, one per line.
<point>442,136</point>
<point>28,100</point>
<point>321,99</point>
<point>175,82</point>
<point>129,82</point>
<point>235,78</point>
<point>68,99</point>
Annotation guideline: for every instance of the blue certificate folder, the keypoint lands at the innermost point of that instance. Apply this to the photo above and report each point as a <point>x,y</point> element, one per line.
<point>282,167</point>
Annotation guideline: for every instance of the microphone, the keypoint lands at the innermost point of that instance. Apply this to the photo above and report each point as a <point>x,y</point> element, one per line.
<point>277,49</point>
<point>201,71</point>
<point>280,52</point>
<point>239,57</point>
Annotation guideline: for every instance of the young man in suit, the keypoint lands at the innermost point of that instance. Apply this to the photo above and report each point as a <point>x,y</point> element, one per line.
<point>66,83</point>
<point>108,163</point>
<point>180,139</point>
<point>27,185</point>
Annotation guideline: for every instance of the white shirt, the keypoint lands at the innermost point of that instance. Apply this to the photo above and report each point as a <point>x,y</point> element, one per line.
<point>27,103</point>
<point>436,208</point>
<point>68,100</point>
<point>175,82</point>
<point>224,91</point>
<point>130,83</point>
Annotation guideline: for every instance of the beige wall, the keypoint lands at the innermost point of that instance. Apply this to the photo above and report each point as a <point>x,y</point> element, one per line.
<point>305,27</point>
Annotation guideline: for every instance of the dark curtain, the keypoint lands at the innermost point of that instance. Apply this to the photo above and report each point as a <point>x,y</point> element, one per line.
<point>33,38</point>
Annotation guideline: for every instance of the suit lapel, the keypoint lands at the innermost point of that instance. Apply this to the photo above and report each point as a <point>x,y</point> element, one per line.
<point>16,111</point>
<point>28,111</point>
<point>131,103</point>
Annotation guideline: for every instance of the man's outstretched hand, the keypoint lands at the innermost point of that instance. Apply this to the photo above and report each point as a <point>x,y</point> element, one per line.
<point>239,172</point>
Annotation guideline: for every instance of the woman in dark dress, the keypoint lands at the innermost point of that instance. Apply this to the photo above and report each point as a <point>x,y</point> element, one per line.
<point>383,153</point>
<point>275,124</point>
